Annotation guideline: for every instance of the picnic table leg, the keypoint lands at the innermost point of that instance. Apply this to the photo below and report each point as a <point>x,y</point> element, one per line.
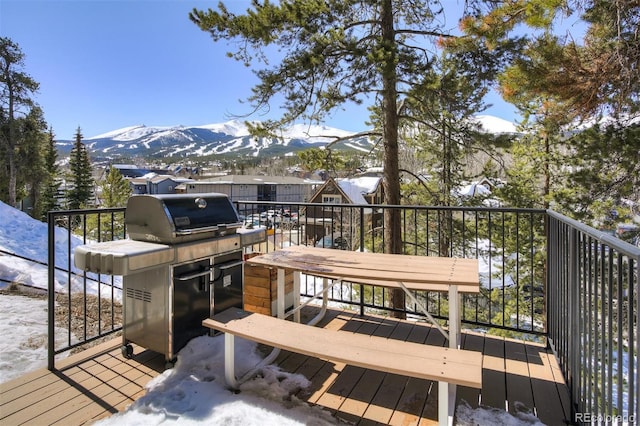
<point>424,310</point>
<point>280,294</point>
<point>296,295</point>
<point>325,300</point>
<point>454,317</point>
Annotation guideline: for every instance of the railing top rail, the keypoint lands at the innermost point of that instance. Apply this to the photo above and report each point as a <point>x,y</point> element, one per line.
<point>614,243</point>
<point>307,204</point>
<point>55,213</point>
<point>401,206</point>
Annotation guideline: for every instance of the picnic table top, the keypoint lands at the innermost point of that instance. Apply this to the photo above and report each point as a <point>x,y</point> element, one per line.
<point>427,273</point>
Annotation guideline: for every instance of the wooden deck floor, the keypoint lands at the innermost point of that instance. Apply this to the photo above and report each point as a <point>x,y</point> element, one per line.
<point>517,376</point>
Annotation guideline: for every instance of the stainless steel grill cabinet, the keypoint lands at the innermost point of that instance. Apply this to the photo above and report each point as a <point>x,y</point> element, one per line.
<point>182,264</point>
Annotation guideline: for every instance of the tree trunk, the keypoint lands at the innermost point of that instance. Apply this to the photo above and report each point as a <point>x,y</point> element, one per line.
<point>547,170</point>
<point>391,177</point>
<point>12,176</point>
<point>11,144</point>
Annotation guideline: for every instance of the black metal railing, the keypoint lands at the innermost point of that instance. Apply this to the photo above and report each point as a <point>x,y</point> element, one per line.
<point>593,319</point>
<point>83,307</point>
<point>543,276</point>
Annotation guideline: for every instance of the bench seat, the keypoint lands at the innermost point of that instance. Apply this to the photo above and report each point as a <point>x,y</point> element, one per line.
<point>441,364</point>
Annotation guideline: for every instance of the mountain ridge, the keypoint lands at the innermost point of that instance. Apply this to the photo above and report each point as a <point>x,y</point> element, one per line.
<point>231,138</point>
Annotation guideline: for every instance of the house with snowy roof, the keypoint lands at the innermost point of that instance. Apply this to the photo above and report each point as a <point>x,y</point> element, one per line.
<point>329,218</point>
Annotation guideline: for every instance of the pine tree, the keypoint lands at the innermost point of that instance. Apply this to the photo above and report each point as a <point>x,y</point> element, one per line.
<point>51,183</point>
<point>115,189</point>
<point>81,192</point>
<point>604,169</point>
<point>114,192</point>
<point>16,106</point>
<point>595,74</point>
<point>335,52</point>
<point>32,169</point>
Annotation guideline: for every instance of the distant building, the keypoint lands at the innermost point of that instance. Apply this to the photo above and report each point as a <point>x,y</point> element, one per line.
<point>281,189</point>
<point>328,218</point>
<point>132,171</point>
<point>156,184</point>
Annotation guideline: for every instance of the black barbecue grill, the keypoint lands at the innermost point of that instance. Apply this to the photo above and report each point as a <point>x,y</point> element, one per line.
<point>183,263</point>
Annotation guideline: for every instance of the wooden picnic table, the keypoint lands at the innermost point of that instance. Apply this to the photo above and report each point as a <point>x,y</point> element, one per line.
<point>449,366</point>
<point>408,272</point>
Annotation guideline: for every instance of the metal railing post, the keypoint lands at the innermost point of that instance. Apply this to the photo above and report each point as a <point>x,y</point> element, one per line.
<point>51,295</point>
<point>573,310</point>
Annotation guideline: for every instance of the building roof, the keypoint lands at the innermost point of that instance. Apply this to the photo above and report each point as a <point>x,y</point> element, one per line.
<point>357,188</point>
<point>259,180</point>
<point>354,189</point>
<point>155,178</point>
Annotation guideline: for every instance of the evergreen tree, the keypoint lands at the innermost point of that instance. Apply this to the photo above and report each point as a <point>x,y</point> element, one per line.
<point>447,136</point>
<point>80,176</point>
<point>604,169</point>
<point>18,114</point>
<point>322,159</point>
<point>51,183</point>
<point>335,52</point>
<point>32,168</point>
<point>115,189</point>
<point>545,121</point>
<point>596,73</point>
<point>114,192</point>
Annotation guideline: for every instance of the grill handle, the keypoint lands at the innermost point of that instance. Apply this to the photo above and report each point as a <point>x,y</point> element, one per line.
<point>222,227</point>
<point>197,230</point>
<point>228,265</point>
<point>187,277</point>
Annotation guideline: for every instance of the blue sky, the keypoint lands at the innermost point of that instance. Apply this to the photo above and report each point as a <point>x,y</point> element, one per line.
<point>108,64</point>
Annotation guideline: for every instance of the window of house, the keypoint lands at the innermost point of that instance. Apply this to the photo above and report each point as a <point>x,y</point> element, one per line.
<point>331,199</point>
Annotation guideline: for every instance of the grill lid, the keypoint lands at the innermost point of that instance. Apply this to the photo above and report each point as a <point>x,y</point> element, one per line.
<point>173,218</point>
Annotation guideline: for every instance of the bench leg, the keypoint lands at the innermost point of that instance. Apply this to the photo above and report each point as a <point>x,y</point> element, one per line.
<point>446,403</point>
<point>229,361</point>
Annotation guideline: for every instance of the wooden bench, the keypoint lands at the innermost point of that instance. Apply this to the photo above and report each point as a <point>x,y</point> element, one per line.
<point>447,366</point>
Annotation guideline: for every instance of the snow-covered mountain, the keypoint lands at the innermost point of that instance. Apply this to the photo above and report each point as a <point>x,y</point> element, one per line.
<point>231,138</point>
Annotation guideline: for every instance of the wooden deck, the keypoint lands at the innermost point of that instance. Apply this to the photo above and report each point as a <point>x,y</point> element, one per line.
<point>517,376</point>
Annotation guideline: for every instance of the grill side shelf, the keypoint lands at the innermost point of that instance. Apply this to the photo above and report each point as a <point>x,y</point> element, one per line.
<point>122,257</point>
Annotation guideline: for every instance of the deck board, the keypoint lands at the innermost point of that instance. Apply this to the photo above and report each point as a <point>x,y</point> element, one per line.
<point>384,402</point>
<point>547,391</point>
<point>98,382</point>
<point>465,394</point>
<point>518,385</point>
<point>88,386</point>
<point>493,374</point>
